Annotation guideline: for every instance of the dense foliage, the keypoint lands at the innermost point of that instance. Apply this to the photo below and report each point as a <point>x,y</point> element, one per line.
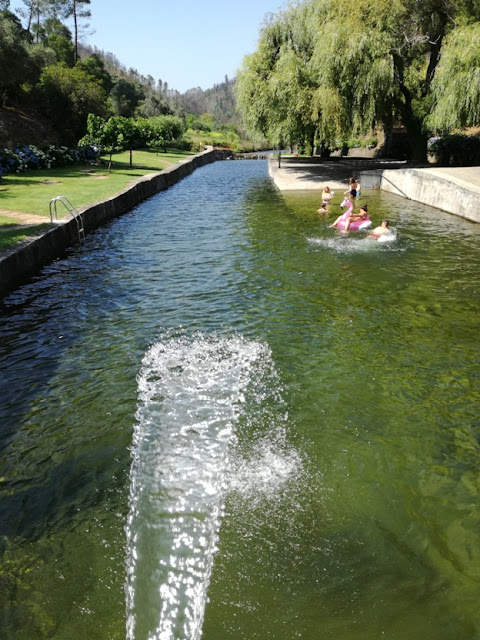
<point>456,150</point>
<point>330,69</point>
<point>44,69</point>
<point>27,157</point>
<point>119,133</point>
<point>103,136</point>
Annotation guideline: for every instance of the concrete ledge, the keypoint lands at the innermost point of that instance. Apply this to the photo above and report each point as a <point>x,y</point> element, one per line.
<point>25,261</point>
<point>443,189</point>
<point>305,174</point>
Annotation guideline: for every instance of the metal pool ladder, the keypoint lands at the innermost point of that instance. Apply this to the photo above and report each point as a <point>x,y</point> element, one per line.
<point>71,210</point>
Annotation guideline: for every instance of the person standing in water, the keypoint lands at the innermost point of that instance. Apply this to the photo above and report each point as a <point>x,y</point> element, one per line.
<point>352,188</point>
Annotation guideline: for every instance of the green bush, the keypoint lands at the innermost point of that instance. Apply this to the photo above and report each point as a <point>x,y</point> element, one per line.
<point>456,150</point>
<point>355,143</point>
<point>370,143</point>
<point>26,157</point>
<point>183,145</point>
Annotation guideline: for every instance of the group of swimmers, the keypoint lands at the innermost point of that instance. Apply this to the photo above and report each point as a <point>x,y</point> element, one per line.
<point>352,192</point>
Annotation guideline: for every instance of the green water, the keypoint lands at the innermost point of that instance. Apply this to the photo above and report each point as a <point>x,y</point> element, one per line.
<point>350,501</point>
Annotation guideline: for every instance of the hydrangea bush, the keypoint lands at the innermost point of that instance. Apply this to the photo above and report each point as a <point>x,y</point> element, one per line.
<point>26,157</point>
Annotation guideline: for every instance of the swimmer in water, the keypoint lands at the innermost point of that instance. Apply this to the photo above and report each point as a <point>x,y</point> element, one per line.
<point>357,217</point>
<point>382,230</point>
<point>352,188</point>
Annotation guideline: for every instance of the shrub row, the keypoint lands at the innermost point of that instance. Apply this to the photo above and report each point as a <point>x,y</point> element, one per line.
<point>26,157</point>
<point>456,150</point>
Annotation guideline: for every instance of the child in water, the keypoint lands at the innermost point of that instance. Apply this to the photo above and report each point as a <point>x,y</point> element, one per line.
<point>327,196</point>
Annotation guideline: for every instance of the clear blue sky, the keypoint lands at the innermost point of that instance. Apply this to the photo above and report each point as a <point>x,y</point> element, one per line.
<point>187,43</point>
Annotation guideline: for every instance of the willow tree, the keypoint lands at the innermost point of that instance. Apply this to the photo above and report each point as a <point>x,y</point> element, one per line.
<point>381,56</point>
<point>369,62</point>
<point>275,87</point>
<point>456,87</point>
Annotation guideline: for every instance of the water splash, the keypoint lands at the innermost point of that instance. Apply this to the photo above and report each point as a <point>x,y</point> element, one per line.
<point>268,469</point>
<point>389,237</point>
<point>191,392</point>
<point>349,244</point>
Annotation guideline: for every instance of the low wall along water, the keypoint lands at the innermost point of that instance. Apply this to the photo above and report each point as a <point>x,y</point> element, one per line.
<point>22,263</point>
<point>427,187</point>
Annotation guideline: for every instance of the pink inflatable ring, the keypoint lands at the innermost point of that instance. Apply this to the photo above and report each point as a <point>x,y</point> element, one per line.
<point>355,225</point>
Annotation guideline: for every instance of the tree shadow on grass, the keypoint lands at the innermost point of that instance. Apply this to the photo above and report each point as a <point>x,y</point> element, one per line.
<point>6,226</point>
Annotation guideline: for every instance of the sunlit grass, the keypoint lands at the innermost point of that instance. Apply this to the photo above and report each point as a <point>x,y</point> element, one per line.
<point>10,237</point>
<point>222,139</point>
<point>8,222</point>
<point>31,191</point>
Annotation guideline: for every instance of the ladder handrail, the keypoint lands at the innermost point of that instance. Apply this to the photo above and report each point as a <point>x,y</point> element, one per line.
<point>71,210</point>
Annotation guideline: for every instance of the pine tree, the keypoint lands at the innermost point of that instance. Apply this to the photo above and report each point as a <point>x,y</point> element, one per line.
<point>76,9</point>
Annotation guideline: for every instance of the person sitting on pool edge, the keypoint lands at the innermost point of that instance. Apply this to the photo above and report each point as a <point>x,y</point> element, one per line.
<point>353,217</point>
<point>382,230</point>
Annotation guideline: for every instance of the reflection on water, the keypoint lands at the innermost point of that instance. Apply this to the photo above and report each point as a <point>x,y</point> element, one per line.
<point>284,420</point>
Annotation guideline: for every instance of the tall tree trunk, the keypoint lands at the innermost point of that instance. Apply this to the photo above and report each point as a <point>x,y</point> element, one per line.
<point>75,46</point>
<point>312,142</point>
<point>417,138</point>
<point>30,18</point>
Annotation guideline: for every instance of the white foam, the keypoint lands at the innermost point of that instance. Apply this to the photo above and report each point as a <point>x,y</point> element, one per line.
<point>341,243</point>
<point>352,243</point>
<point>267,471</point>
<point>388,237</point>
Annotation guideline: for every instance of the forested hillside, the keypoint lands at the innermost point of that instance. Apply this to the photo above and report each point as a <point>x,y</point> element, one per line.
<point>50,82</point>
<point>325,73</point>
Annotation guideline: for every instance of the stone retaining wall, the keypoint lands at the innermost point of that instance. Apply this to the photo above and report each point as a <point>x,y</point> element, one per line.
<point>25,261</point>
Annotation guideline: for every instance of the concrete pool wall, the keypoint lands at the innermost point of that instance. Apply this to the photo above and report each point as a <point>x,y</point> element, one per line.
<point>455,190</point>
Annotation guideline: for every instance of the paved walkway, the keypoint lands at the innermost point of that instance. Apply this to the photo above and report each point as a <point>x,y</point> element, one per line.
<point>466,177</point>
<point>20,219</point>
<point>298,174</point>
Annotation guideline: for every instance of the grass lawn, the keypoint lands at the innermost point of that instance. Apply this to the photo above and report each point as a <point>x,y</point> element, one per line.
<point>30,192</point>
<point>8,222</point>
<point>9,237</point>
